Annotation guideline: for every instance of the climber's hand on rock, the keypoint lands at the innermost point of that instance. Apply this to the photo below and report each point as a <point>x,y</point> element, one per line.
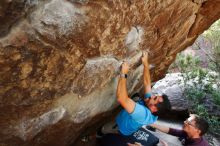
<point>125,68</point>
<point>145,58</point>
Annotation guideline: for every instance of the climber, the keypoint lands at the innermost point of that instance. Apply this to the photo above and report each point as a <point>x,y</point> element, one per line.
<point>130,120</point>
<point>191,134</point>
<point>136,114</point>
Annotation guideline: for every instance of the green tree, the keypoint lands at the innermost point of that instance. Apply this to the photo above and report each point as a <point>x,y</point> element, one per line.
<point>202,83</point>
<point>213,35</point>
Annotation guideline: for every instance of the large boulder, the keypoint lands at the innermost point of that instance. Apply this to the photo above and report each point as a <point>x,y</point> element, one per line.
<point>60,59</point>
<point>173,86</point>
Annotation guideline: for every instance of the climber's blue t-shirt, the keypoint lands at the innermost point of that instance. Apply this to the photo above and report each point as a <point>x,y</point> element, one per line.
<point>129,123</point>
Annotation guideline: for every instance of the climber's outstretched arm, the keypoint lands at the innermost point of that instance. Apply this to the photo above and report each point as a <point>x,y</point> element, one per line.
<point>122,94</point>
<point>146,73</point>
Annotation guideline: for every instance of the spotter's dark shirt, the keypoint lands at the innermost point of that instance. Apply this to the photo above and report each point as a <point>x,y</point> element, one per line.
<point>186,140</point>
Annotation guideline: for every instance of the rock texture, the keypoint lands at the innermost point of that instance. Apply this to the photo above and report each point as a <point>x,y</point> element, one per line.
<point>172,85</point>
<point>59,59</point>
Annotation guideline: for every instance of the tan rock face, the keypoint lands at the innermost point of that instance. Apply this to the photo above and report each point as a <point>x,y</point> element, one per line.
<point>59,59</point>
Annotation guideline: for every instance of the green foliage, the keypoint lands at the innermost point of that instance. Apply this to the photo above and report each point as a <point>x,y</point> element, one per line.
<point>214,123</point>
<point>194,94</point>
<point>201,110</point>
<point>199,84</point>
<point>216,96</point>
<point>213,35</point>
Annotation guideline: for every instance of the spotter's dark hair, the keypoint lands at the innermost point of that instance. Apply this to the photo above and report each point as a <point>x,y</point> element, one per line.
<point>201,124</point>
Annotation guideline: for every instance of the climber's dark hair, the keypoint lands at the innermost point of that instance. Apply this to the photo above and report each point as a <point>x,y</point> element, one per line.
<point>163,107</point>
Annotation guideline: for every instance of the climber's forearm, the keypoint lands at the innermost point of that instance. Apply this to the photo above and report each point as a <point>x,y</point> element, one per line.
<point>147,80</point>
<point>122,93</point>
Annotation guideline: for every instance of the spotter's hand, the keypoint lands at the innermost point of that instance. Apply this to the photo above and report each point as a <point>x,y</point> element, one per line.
<point>135,144</point>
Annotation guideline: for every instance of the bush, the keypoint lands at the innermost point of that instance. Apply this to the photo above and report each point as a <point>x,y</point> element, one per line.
<point>213,35</point>
<point>199,84</point>
<point>216,96</point>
